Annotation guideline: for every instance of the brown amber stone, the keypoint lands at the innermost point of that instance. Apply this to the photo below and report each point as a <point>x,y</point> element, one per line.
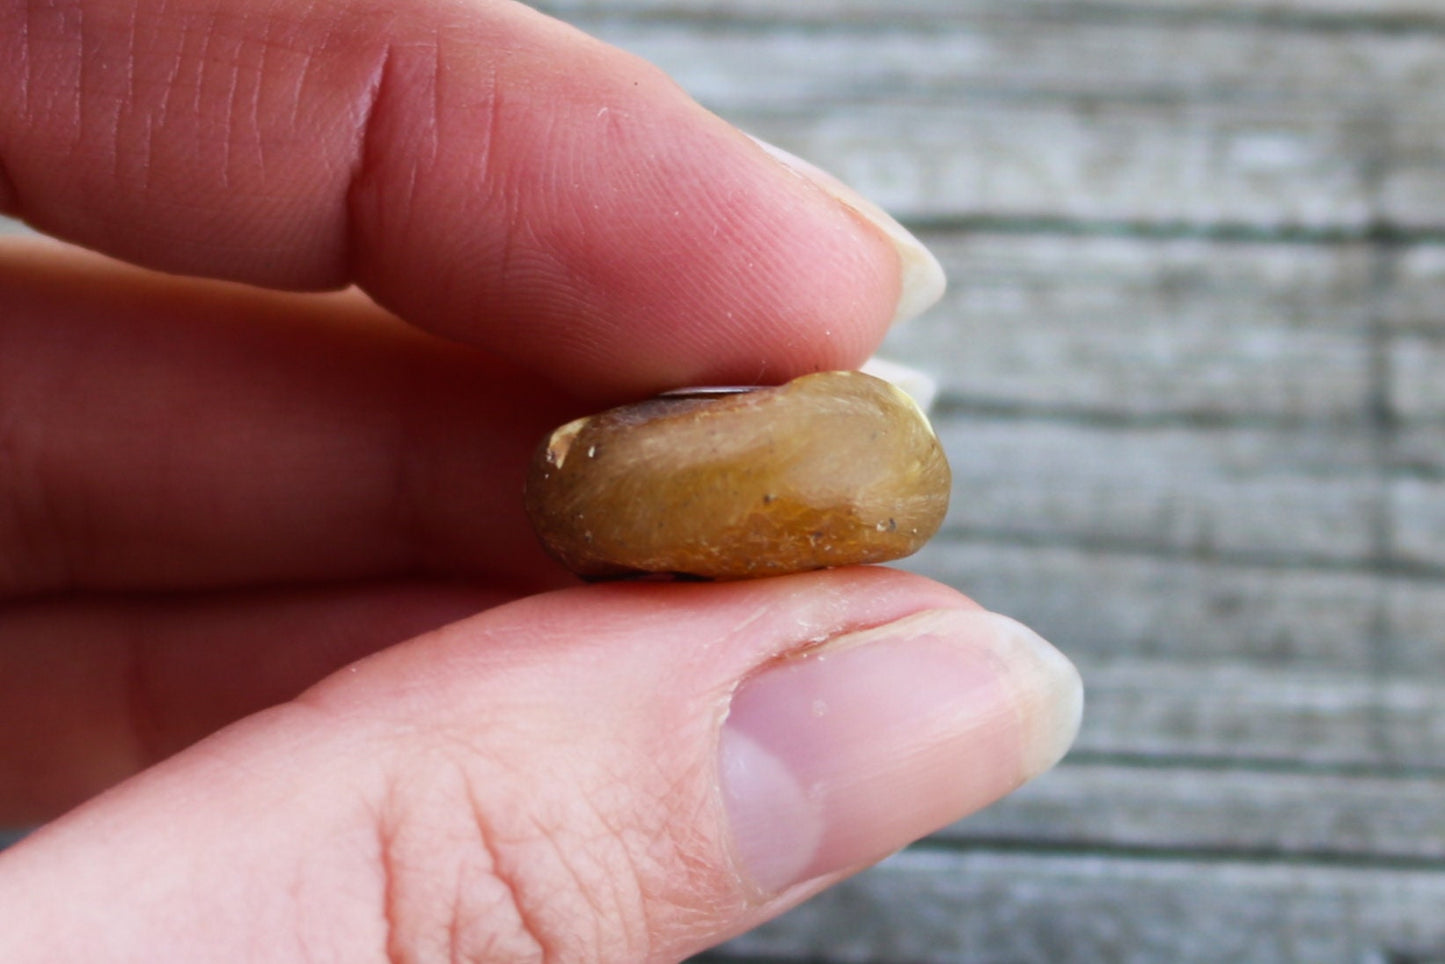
<point>831,469</point>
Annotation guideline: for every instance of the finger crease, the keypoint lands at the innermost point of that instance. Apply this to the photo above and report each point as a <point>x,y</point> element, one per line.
<point>527,921</point>
<point>366,152</point>
<point>390,868</point>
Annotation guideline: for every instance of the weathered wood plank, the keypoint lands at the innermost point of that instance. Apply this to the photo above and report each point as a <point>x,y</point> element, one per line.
<point>1265,814</point>
<point>1132,326</point>
<point>1414,311</point>
<point>1417,494</point>
<point>1415,617</point>
<point>1421,14</point>
<point>1297,496</point>
<point>1056,56</point>
<point>1417,375</point>
<point>1110,606</point>
<point>1247,166</point>
<point>1414,299</point>
<point>1417,450</point>
<point>1418,533</point>
<point>1412,156</point>
<point>1106,606</point>
<point>1055,117</point>
<point>928,906</point>
<point>1416,14</point>
<point>1102,606</point>
<point>1177,712</point>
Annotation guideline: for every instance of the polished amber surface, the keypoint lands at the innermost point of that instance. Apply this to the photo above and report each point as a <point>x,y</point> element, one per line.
<point>831,469</point>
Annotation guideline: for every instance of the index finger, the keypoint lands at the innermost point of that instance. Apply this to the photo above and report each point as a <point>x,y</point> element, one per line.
<point>479,168</point>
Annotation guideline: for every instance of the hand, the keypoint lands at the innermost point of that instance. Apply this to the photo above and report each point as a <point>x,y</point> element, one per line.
<point>274,637</point>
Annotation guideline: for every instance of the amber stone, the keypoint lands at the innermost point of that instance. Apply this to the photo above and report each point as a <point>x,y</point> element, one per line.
<point>831,469</point>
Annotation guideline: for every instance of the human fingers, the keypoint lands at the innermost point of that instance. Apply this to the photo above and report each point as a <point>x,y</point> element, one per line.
<point>158,434</point>
<point>622,773</point>
<point>481,169</point>
<point>95,688</point>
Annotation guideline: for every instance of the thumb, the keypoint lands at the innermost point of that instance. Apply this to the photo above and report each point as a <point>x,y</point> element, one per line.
<point>620,773</point>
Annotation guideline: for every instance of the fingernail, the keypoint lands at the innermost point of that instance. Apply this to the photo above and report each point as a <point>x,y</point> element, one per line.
<point>834,759</point>
<point>923,278</point>
<point>919,385</point>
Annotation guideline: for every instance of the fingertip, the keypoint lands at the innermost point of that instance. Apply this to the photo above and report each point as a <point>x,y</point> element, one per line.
<point>625,240</point>
<point>921,281</point>
<point>837,757</point>
<point>1048,691</point>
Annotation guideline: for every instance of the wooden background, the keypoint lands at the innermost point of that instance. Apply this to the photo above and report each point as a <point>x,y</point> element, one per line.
<point>1193,361</point>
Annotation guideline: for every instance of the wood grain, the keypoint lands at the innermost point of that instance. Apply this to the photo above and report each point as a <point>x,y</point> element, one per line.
<point>1157,121</point>
<point>1243,492</point>
<point>1233,713</point>
<point>1126,326</point>
<point>1115,605</point>
<point>1079,908</point>
<point>1417,14</point>
<point>1227,814</point>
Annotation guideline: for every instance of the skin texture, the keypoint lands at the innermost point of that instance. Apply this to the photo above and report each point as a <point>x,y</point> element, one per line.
<point>476,167</point>
<point>280,662</point>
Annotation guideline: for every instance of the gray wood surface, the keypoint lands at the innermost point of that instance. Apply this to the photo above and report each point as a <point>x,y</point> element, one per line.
<point>945,905</point>
<point>1116,325</point>
<point>1222,813</point>
<point>1193,372</point>
<point>1413,13</point>
<point>991,110</point>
